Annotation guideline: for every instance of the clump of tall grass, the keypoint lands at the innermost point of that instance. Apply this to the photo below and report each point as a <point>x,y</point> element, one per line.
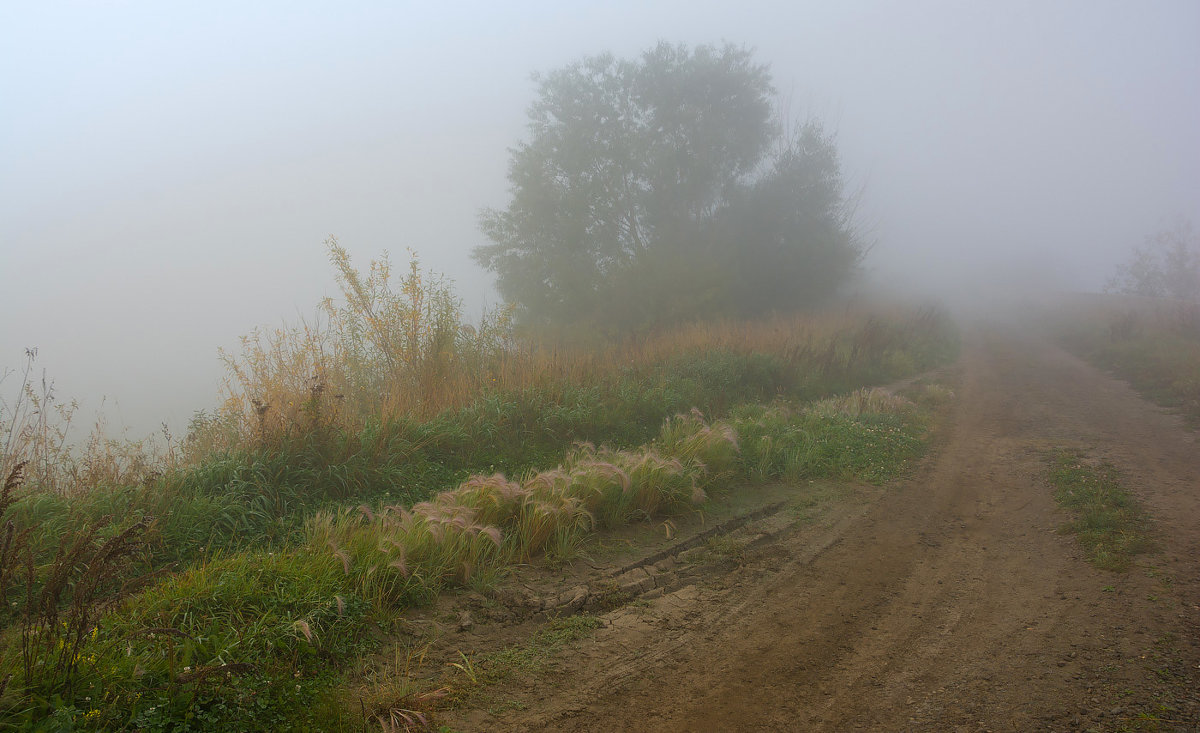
<point>391,346</point>
<point>690,438</point>
<point>601,480</point>
<point>34,425</point>
<point>396,556</point>
<point>618,487</point>
<point>867,400</point>
<point>663,484</point>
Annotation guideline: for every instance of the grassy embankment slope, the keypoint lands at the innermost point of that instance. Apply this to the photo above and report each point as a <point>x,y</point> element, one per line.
<point>363,468</point>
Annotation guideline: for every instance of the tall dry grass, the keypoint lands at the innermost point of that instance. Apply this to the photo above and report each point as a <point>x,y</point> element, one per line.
<point>392,345</point>
<point>399,346</point>
<point>38,430</point>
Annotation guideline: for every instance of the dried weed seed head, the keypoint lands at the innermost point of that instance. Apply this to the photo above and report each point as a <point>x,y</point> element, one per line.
<point>860,402</point>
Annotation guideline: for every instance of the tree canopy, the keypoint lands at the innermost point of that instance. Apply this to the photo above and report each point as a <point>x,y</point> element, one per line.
<point>660,189</point>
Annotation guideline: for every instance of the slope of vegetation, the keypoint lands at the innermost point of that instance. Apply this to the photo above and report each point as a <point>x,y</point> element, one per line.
<point>364,466</point>
<point>1154,343</point>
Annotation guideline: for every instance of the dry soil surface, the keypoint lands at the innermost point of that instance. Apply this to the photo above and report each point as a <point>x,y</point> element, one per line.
<point>949,601</point>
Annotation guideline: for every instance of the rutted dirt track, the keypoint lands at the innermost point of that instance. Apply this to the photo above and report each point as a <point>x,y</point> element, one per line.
<point>948,602</point>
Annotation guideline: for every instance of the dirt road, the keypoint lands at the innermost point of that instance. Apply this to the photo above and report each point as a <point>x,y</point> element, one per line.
<point>948,602</point>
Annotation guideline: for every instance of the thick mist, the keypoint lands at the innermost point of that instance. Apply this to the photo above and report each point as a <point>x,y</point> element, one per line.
<point>168,174</point>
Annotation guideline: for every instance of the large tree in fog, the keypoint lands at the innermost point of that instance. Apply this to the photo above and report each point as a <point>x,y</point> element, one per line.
<point>659,189</point>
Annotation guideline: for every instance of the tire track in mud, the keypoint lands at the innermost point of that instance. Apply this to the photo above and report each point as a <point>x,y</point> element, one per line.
<point>950,602</point>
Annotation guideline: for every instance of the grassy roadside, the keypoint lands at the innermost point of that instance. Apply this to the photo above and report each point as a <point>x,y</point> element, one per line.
<point>774,441</point>
<point>240,585</point>
<point>1152,343</point>
<point>1109,522</point>
<point>260,490</point>
<point>262,638</point>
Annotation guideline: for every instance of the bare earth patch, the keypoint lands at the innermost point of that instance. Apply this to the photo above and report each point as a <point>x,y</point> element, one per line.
<point>949,601</point>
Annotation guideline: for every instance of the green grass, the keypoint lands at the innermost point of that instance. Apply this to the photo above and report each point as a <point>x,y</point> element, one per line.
<point>781,442</point>
<point>1109,522</point>
<point>251,641</point>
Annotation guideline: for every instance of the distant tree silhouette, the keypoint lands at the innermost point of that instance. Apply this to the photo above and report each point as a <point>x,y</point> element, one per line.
<point>661,189</point>
<point>1166,265</point>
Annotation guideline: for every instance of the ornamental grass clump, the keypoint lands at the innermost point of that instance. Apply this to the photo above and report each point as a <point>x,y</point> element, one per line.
<point>692,440</point>
<point>398,556</point>
<point>660,484</point>
<point>453,544</point>
<point>601,483</point>
<point>550,519</point>
<point>618,487</point>
<point>495,499</point>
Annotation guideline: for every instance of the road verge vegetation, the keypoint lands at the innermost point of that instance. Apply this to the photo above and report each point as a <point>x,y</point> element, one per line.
<point>1154,343</point>
<point>240,582</point>
<point>262,636</point>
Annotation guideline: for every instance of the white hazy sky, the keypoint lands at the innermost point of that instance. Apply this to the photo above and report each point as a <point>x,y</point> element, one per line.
<point>168,171</point>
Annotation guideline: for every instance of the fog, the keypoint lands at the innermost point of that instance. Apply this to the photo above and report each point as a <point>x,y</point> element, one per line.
<point>169,171</point>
